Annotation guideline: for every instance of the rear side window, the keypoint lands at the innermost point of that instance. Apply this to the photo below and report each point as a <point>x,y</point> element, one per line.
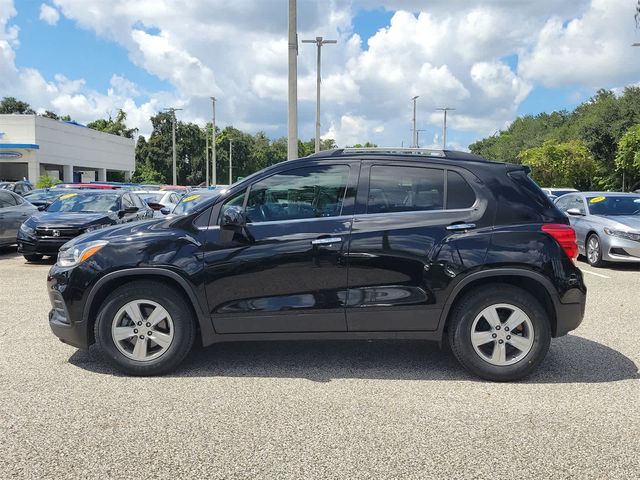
<point>459,192</point>
<point>526,203</point>
<point>405,189</point>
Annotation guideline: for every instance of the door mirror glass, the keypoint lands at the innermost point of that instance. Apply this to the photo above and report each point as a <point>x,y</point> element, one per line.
<point>165,211</point>
<point>574,211</point>
<point>42,208</point>
<point>233,217</point>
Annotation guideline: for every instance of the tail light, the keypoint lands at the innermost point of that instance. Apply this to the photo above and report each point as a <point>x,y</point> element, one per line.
<point>155,205</point>
<point>565,236</point>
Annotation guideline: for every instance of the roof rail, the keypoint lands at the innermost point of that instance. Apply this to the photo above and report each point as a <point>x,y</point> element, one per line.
<point>385,150</point>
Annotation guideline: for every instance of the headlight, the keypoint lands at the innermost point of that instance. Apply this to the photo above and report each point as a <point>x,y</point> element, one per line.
<point>27,230</point>
<point>622,234</point>
<point>79,253</point>
<point>95,227</point>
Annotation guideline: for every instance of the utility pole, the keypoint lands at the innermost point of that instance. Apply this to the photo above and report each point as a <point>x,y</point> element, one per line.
<point>319,41</point>
<point>414,142</point>
<point>292,143</point>
<point>444,126</point>
<point>213,143</point>
<point>418,137</point>
<point>230,161</point>
<point>206,155</point>
<point>173,138</point>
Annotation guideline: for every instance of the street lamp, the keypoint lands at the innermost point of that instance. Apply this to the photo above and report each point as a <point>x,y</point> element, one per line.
<point>173,139</point>
<point>319,41</point>
<point>213,143</point>
<point>444,126</point>
<point>292,140</point>
<point>415,132</point>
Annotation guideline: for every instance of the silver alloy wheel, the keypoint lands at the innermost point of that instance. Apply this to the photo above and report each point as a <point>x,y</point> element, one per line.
<point>502,334</point>
<point>593,249</point>
<point>142,330</point>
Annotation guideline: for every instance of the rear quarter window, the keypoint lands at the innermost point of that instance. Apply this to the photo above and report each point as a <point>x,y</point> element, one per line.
<point>527,203</point>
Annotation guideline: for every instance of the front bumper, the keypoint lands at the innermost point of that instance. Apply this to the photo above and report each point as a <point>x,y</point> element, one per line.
<point>67,297</point>
<point>31,246</point>
<point>615,249</point>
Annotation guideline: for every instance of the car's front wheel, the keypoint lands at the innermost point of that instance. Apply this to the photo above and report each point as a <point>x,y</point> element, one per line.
<point>499,332</point>
<point>594,251</point>
<point>145,328</point>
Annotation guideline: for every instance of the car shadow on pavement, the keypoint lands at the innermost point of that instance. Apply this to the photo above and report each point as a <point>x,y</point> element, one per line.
<point>571,359</point>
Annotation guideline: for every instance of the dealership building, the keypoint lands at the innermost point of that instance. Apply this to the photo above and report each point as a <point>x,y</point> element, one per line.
<point>32,146</point>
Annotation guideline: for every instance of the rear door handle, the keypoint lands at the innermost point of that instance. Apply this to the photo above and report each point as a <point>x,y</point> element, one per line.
<point>326,241</point>
<point>461,226</point>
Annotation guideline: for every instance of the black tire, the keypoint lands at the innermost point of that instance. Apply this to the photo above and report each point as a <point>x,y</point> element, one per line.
<point>167,297</point>
<point>597,260</point>
<point>470,306</point>
<point>34,257</point>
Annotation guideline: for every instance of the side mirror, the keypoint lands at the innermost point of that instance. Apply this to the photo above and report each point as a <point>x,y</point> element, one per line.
<point>575,212</point>
<point>233,217</point>
<point>42,208</point>
<point>165,211</point>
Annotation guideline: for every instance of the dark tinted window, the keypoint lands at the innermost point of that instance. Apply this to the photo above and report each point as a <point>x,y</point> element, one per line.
<point>459,192</point>
<point>127,202</point>
<point>301,193</point>
<point>405,189</point>
<point>7,200</point>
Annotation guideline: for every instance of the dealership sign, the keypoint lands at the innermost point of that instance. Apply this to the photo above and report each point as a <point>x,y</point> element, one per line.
<point>10,155</point>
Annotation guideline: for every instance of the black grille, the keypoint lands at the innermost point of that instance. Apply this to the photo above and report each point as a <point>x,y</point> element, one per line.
<point>58,232</point>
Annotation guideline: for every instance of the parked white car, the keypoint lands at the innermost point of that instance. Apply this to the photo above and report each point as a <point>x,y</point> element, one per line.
<point>158,199</point>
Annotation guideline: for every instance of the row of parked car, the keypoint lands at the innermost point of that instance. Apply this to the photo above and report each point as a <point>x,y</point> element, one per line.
<point>607,224</point>
<point>40,221</point>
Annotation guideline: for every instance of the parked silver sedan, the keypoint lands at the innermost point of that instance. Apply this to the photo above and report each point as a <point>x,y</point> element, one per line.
<point>13,211</point>
<point>607,225</point>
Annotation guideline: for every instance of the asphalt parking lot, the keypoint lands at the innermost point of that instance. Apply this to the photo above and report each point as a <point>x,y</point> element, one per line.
<point>319,410</point>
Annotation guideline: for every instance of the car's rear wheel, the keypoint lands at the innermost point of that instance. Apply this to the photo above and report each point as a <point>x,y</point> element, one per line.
<point>499,332</point>
<point>594,251</point>
<point>32,257</point>
<point>145,328</point>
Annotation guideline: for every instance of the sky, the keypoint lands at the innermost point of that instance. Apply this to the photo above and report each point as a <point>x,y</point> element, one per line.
<point>491,60</point>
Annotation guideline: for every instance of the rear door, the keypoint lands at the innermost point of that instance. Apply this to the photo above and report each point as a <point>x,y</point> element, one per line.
<point>13,212</point>
<point>415,229</point>
<point>286,271</point>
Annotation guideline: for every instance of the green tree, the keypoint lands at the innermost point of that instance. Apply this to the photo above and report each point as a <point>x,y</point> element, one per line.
<point>555,164</point>
<point>115,126</point>
<point>47,182</point>
<point>13,105</point>
<point>628,159</point>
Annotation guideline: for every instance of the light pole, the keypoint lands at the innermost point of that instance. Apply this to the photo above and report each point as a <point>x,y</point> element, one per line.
<point>230,160</point>
<point>292,143</point>
<point>173,139</point>
<point>319,41</point>
<point>444,126</point>
<point>213,143</point>
<point>206,155</point>
<point>414,142</point>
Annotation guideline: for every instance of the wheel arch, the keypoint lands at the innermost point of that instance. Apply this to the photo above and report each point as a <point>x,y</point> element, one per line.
<point>113,280</point>
<point>533,282</point>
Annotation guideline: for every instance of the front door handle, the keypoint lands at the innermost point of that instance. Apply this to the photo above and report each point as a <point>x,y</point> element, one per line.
<point>461,226</point>
<point>326,241</point>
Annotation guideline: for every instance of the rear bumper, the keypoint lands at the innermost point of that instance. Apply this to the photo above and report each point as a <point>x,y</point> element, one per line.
<point>569,316</point>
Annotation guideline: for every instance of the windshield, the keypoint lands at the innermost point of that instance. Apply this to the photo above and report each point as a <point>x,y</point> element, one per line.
<point>189,202</point>
<point>85,203</point>
<point>614,205</point>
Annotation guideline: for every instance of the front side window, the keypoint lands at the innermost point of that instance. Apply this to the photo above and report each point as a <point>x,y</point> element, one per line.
<point>563,203</point>
<point>7,200</point>
<point>405,189</point>
<point>310,192</point>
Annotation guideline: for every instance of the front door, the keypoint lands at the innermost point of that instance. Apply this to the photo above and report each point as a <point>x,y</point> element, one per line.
<point>413,232</point>
<point>286,271</point>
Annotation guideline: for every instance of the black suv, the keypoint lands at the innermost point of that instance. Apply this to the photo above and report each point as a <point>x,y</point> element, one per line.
<point>345,244</point>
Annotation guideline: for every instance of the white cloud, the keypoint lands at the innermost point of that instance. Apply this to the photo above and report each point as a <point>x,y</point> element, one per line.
<point>483,58</point>
<point>49,14</point>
